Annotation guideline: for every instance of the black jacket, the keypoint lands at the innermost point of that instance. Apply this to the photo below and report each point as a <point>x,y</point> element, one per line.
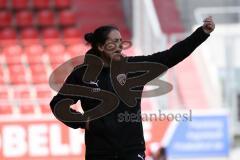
<point>107,135</point>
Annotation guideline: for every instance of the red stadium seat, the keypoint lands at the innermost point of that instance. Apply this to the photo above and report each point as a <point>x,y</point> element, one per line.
<point>29,36</point>
<point>12,54</point>
<point>38,73</point>
<point>4,93</point>
<point>43,93</point>
<point>29,33</point>
<point>3,4</point>
<point>8,33</point>
<point>56,49</point>
<point>20,4</point>
<point>56,60</point>
<point>62,4</point>
<point>5,19</point>
<point>24,19</point>
<point>45,108</point>
<point>67,18</point>
<point>72,35</point>
<point>8,36</point>
<point>51,36</point>
<point>56,53</point>
<point>6,108</point>
<point>45,18</point>
<point>17,74</point>
<point>1,77</point>
<point>41,4</point>
<point>77,49</point>
<point>23,93</point>
<point>34,53</point>
<point>27,107</point>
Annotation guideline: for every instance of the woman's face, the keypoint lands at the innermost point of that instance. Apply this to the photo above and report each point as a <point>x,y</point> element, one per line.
<point>112,48</point>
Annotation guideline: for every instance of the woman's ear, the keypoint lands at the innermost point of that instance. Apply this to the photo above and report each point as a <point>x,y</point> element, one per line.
<point>100,48</point>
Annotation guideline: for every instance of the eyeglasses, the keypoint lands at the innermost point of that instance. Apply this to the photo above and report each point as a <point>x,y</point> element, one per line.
<point>112,46</point>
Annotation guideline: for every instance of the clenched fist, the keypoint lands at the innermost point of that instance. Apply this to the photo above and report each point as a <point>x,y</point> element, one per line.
<point>208,25</point>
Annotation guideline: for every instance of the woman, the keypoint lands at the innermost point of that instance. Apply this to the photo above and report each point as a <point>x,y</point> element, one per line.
<point>105,136</point>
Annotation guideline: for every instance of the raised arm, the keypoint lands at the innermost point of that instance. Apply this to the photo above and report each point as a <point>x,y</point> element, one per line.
<point>180,50</point>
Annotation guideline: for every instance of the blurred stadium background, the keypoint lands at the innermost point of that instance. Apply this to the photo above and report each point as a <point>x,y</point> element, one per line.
<point>37,36</point>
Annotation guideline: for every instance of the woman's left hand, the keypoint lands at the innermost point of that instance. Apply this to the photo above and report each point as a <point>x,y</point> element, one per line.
<point>208,25</point>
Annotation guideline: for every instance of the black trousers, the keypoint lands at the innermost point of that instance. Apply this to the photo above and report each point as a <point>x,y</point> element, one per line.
<point>125,156</point>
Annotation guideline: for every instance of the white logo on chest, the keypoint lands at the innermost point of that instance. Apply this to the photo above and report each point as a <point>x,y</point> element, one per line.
<point>95,83</point>
<point>121,78</point>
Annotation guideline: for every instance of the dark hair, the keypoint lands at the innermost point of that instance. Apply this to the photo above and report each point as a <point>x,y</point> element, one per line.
<point>99,36</point>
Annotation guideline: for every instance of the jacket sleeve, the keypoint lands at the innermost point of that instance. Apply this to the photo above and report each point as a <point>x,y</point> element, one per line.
<point>71,79</point>
<point>177,52</point>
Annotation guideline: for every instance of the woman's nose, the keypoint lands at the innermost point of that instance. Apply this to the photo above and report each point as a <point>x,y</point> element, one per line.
<point>120,46</point>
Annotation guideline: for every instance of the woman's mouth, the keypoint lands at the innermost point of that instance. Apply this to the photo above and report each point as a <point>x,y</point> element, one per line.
<point>118,52</point>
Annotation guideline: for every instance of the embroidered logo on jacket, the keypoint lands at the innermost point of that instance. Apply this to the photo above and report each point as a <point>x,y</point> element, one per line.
<point>96,84</point>
<point>121,78</point>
